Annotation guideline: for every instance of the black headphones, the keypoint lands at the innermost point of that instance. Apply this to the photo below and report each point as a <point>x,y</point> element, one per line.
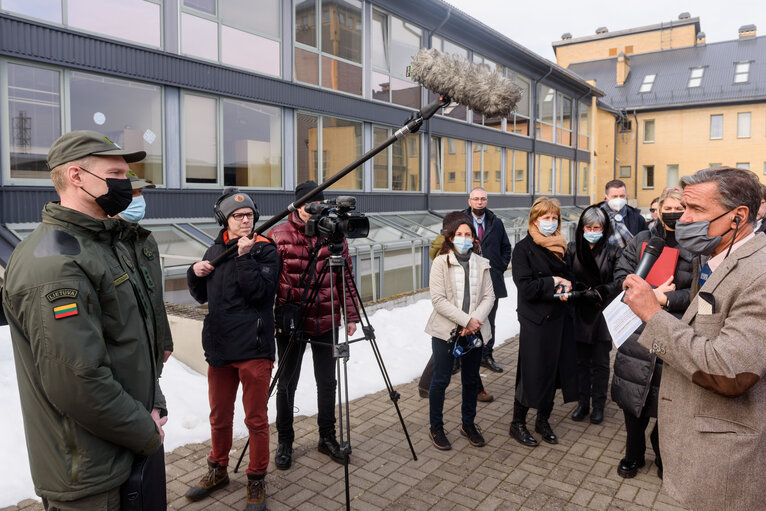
<point>737,220</point>
<point>221,218</point>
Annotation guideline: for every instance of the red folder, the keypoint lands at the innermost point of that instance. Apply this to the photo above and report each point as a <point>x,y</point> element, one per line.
<point>664,268</point>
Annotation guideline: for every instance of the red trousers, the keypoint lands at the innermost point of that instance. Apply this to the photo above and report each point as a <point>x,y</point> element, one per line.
<point>223,382</point>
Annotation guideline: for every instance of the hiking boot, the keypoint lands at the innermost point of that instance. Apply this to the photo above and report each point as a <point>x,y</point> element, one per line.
<point>485,397</point>
<point>283,458</point>
<point>216,477</point>
<point>256,492</point>
<point>440,439</point>
<point>329,445</point>
<point>473,432</point>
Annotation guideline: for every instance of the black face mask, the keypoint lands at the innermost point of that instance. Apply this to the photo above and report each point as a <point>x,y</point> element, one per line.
<point>478,212</point>
<point>118,196</point>
<point>670,219</point>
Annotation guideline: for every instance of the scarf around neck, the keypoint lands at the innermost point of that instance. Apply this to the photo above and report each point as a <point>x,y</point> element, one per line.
<point>555,243</point>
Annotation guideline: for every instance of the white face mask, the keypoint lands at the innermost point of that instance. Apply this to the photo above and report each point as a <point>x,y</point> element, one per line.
<point>548,227</point>
<point>616,204</point>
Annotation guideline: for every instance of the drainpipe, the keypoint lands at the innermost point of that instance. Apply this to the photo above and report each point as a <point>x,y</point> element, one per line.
<point>535,112</point>
<point>635,164</point>
<point>428,130</point>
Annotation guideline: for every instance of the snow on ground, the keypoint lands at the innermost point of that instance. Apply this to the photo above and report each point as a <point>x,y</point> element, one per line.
<point>403,345</point>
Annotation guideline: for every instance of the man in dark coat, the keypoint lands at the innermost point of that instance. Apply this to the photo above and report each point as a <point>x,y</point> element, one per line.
<point>627,221</point>
<point>496,247</point>
<point>318,323</point>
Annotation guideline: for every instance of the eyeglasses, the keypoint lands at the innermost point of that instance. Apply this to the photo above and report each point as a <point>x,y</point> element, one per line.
<point>241,216</point>
<point>652,210</point>
<point>479,199</point>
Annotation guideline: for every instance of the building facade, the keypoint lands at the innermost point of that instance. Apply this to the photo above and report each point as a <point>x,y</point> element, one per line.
<point>674,103</point>
<point>266,94</point>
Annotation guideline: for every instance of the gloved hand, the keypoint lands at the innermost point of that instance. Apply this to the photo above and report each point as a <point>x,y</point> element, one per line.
<point>592,295</point>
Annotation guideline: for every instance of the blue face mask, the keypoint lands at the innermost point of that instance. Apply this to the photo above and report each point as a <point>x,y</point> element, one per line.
<point>135,211</point>
<point>462,245</point>
<point>592,237</point>
<point>548,227</point>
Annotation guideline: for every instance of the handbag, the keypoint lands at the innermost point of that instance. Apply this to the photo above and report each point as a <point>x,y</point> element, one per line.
<point>145,489</point>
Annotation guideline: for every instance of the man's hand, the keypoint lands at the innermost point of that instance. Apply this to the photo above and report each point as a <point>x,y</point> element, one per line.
<point>665,287</point>
<point>639,296</point>
<point>166,356</point>
<point>159,421</point>
<point>203,268</point>
<point>351,329</point>
<point>244,244</point>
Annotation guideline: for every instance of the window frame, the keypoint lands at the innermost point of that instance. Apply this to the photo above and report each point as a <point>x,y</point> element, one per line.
<point>647,84</point>
<point>620,172</point>
<point>182,9</point>
<point>741,115</point>
<point>645,174</point>
<point>445,177</point>
<point>644,139</point>
<point>710,131</point>
<point>390,159</point>
<point>374,69</point>
<point>510,127</point>
<point>695,81</point>
<point>745,75</point>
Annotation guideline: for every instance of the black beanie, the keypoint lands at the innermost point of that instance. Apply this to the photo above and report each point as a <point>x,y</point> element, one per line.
<point>304,188</point>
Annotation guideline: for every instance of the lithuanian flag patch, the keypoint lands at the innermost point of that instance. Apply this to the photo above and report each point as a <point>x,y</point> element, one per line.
<point>64,311</point>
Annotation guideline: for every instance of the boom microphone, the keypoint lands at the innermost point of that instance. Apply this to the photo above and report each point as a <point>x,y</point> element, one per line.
<point>473,85</point>
<point>652,251</point>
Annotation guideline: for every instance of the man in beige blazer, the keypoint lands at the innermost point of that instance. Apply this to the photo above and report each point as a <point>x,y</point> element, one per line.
<point>712,414</point>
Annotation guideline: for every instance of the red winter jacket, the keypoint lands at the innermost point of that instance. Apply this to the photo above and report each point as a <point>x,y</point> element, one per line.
<point>294,251</point>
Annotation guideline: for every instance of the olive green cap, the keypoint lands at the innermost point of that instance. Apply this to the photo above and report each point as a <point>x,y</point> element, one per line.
<point>79,144</point>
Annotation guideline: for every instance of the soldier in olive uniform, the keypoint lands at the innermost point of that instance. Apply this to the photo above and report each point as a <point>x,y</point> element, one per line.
<point>80,305</point>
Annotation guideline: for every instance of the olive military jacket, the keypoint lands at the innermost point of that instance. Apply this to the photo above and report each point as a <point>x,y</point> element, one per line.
<point>86,352</point>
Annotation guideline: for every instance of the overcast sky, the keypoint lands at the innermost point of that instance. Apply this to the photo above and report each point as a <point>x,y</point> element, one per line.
<point>537,24</point>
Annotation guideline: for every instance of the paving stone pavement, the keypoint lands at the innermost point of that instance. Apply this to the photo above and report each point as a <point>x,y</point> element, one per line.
<point>578,473</point>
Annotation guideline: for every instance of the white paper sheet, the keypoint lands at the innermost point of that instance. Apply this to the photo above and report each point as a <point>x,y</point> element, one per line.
<point>620,320</point>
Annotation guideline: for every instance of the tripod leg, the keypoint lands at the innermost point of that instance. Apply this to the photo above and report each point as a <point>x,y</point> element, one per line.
<point>369,334</point>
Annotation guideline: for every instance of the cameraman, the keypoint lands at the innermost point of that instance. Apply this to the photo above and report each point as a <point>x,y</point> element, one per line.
<point>299,270</point>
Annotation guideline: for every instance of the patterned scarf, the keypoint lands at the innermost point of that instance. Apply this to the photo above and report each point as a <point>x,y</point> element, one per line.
<point>620,233</point>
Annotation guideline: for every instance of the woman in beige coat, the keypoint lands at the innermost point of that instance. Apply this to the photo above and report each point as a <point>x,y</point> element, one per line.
<point>462,296</point>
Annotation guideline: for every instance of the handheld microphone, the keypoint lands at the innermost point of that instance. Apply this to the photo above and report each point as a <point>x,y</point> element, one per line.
<point>651,253</point>
<point>470,84</point>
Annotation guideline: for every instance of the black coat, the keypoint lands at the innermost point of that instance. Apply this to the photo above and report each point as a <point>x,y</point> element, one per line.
<point>496,247</point>
<point>634,220</point>
<point>592,269</point>
<point>547,355</point>
<point>637,373</point>
<point>240,294</point>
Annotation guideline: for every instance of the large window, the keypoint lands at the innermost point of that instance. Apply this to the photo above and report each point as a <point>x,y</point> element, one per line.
<point>743,125</point>
<point>648,177</point>
<point>564,176</point>
<point>233,32</point>
<point>394,43</point>
<point>398,167</point>
<point>563,120</point>
<point>516,171</point>
<point>325,145</point>
<point>332,55</point>
<point>486,167</point>
<point>544,174</point>
<point>584,178</point>
<point>138,21</point>
<point>671,179</point>
<point>583,131</point>
<point>248,140</point>
<point>716,126</point>
<point>518,121</point>
<point>648,131</point>
<point>134,122</point>
<point>34,118</point>
<point>448,164</point>
<point>491,122</point>
<point>453,110</point>
<point>545,98</point>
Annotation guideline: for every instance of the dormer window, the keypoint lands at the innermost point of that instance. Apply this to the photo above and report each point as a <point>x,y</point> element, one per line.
<point>646,85</point>
<point>741,72</point>
<point>695,77</point>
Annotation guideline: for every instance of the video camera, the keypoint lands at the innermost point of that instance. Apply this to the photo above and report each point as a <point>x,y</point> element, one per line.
<point>334,219</point>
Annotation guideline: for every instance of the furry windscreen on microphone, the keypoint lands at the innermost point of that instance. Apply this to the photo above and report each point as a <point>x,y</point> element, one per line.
<point>465,82</point>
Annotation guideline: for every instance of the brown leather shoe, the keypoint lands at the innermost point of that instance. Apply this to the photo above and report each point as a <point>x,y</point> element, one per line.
<point>485,397</point>
<point>216,477</point>
<point>256,492</point>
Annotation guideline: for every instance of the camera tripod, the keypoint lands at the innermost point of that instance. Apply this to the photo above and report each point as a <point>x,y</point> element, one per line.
<point>336,265</point>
